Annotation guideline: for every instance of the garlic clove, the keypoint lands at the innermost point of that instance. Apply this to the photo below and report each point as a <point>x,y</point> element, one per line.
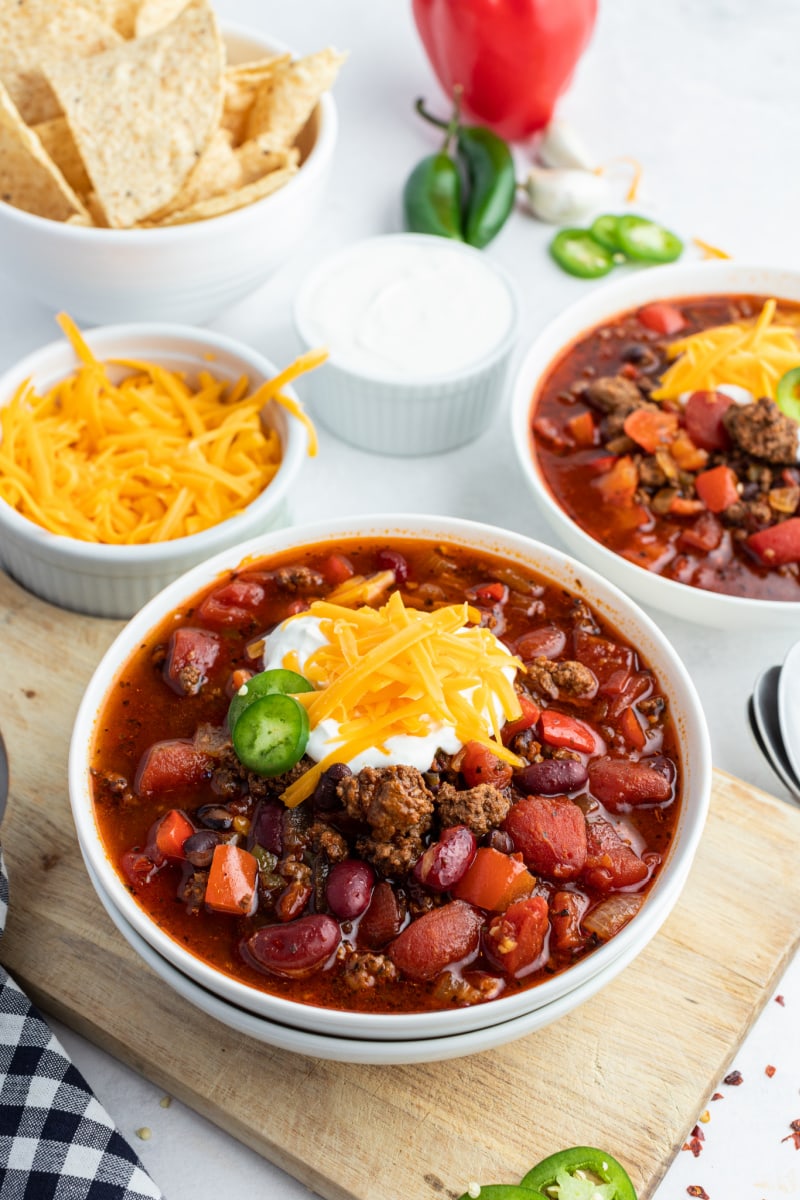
<point>565,195</point>
<point>562,146</point>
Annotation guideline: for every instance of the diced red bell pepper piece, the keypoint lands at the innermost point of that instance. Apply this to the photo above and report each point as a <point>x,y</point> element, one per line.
<point>777,545</point>
<point>610,862</point>
<point>550,833</point>
<point>191,654</point>
<point>566,911</point>
<point>480,765</point>
<point>651,430</point>
<point>487,594</point>
<point>632,730</point>
<point>514,941</point>
<point>621,784</point>
<point>687,455</point>
<point>169,765</point>
<point>494,880</point>
<point>703,419</point>
<point>336,569</point>
<point>559,729</point>
<point>231,886</point>
<point>662,318</point>
<point>582,429</point>
<point>703,534</point>
<point>436,939</point>
<point>717,488</point>
<point>530,715</point>
<point>232,604</point>
<point>172,831</point>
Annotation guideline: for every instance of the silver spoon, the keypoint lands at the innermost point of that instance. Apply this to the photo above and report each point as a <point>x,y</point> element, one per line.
<point>764,719</point>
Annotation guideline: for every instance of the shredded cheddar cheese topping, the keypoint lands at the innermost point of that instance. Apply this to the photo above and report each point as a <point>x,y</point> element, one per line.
<point>396,671</point>
<point>753,354</point>
<point>147,459</point>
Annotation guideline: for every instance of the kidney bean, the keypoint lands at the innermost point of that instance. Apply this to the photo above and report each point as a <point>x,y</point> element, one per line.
<point>382,920</point>
<point>390,560</point>
<point>325,798</point>
<point>436,939</point>
<point>498,839</point>
<point>296,949</point>
<point>349,888</point>
<point>266,829</point>
<point>214,816</point>
<point>546,642</point>
<point>446,861</point>
<point>199,848</point>
<point>552,777</point>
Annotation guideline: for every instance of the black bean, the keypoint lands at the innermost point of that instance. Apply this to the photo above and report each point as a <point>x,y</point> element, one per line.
<point>325,798</point>
<point>199,848</point>
<point>214,816</point>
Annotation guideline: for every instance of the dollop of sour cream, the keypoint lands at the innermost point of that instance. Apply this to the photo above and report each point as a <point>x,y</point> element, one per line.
<point>402,307</point>
<point>301,636</point>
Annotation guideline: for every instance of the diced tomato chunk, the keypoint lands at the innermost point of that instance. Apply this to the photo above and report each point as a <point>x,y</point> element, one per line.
<point>233,603</point>
<point>336,569</point>
<point>559,729</point>
<point>703,418</point>
<point>480,765</point>
<point>611,662</point>
<point>190,656</point>
<point>231,886</point>
<point>488,594</point>
<point>651,430</point>
<point>632,730</point>
<point>717,488</point>
<point>566,910</point>
<point>686,453</point>
<point>777,545</point>
<point>169,765</point>
<point>550,833</point>
<point>515,941</point>
<point>662,318</point>
<point>436,939</point>
<point>137,867</point>
<point>530,715</point>
<point>618,485</point>
<point>494,880</point>
<point>610,862</point>
<point>703,534</point>
<point>172,831</point>
<point>620,784</point>
<point>583,429</point>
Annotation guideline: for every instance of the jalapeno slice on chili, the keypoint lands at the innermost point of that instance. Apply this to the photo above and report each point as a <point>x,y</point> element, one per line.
<point>580,1162</point>
<point>787,394</point>
<point>287,683</point>
<point>578,253</point>
<point>271,734</point>
<point>604,230</point>
<point>647,242</point>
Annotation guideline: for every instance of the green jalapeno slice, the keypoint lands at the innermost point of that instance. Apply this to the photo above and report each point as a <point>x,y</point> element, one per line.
<point>271,734</point>
<point>288,683</point>
<point>647,242</point>
<point>604,229</point>
<point>506,1191</point>
<point>578,253</point>
<point>580,1173</point>
<point>787,394</point>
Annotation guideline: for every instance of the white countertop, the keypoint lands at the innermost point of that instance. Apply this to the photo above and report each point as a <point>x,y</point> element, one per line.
<point>706,96</point>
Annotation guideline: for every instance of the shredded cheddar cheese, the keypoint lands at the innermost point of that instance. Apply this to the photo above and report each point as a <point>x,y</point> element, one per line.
<point>147,459</point>
<point>396,670</point>
<point>753,354</point>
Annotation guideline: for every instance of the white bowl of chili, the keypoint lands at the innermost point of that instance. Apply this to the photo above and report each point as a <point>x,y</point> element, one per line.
<point>705,564</point>
<point>364,982</point>
<point>114,579</point>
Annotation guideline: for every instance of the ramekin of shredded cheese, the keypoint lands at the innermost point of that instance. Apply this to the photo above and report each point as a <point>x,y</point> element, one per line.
<point>133,452</point>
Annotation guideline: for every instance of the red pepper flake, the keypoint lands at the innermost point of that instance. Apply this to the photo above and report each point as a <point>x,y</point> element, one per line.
<point>734,1079</point>
<point>694,1189</point>
<point>698,1133</point>
<point>794,1136</point>
<point>769,1070</point>
<point>718,1096</point>
<point>694,1144</point>
<point>780,1000</point>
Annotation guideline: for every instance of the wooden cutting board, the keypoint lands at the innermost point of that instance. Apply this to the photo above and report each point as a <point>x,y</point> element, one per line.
<point>629,1070</point>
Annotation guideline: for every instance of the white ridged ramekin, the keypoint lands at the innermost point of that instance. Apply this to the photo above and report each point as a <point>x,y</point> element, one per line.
<point>115,581</point>
<point>416,415</point>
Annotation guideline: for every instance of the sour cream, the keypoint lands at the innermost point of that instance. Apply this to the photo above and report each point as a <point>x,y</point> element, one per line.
<point>301,636</point>
<point>404,307</point>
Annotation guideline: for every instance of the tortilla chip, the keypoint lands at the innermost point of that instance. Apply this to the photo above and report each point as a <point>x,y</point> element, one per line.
<point>241,84</point>
<point>28,178</point>
<point>217,171</point>
<point>155,14</point>
<point>219,205</point>
<point>287,98</point>
<point>58,142</point>
<point>257,158</point>
<point>40,32</point>
<point>119,14</point>
<point>143,113</point>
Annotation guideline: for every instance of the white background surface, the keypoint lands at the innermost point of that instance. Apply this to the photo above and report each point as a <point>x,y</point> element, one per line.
<point>706,94</point>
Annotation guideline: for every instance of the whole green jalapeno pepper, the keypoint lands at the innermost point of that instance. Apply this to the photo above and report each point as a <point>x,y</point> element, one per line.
<point>491,178</point>
<point>432,195</point>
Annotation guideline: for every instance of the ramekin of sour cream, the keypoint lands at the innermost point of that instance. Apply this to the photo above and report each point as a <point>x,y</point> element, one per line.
<point>419,331</point>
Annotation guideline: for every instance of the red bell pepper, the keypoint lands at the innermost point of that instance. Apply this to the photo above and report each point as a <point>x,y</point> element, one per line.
<point>512,58</point>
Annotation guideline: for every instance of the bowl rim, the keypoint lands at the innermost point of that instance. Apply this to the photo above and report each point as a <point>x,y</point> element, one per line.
<point>674,282</point>
<point>314,163</point>
<point>293,446</point>
<point>411,381</point>
<point>622,613</point>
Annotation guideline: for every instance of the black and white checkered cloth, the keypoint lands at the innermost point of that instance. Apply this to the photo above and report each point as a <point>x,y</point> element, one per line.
<point>56,1141</point>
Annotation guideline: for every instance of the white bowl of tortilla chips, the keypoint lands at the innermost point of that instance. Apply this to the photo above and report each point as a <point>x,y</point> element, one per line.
<point>152,167</point>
